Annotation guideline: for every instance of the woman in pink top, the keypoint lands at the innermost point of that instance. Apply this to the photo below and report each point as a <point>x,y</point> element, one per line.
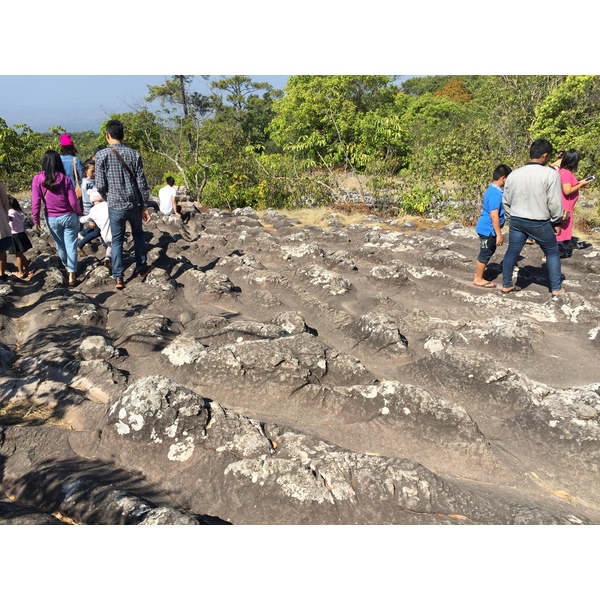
<point>570,194</point>
<point>62,209</point>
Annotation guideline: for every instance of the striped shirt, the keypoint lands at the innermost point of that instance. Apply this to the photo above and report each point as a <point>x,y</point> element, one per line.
<point>115,184</point>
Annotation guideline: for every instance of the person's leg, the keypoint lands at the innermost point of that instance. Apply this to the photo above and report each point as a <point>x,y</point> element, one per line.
<point>117,227</point>
<point>93,233</point>
<point>487,247</point>
<point>71,229</point>
<point>56,227</point>
<point>134,216</point>
<point>545,237</point>
<point>517,236</point>
<point>21,264</point>
<point>5,244</point>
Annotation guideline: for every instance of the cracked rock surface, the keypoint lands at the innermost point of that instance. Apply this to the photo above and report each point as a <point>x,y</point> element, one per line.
<point>270,372</point>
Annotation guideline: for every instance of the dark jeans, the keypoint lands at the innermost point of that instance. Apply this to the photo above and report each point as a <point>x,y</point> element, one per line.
<point>89,233</point>
<point>543,233</point>
<point>118,222</point>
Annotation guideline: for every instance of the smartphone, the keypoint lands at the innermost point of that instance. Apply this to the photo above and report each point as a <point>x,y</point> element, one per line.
<point>590,178</point>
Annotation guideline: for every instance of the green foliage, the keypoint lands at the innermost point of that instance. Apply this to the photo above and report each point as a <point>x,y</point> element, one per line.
<point>21,151</point>
<point>417,199</point>
<point>428,146</point>
<point>569,117</point>
<point>417,86</point>
<point>325,119</point>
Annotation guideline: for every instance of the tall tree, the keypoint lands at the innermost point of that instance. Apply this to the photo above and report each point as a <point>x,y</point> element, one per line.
<point>247,102</point>
<point>190,107</point>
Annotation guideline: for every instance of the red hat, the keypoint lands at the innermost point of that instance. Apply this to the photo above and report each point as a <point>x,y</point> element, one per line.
<point>65,140</point>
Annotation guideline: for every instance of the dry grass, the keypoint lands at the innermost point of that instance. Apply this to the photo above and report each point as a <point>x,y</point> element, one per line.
<point>24,412</point>
<point>349,214</point>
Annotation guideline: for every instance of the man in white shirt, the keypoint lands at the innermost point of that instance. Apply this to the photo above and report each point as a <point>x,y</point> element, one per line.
<point>167,196</point>
<point>533,200</point>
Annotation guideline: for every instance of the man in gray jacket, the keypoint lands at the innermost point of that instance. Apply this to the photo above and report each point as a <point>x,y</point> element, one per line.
<point>532,197</point>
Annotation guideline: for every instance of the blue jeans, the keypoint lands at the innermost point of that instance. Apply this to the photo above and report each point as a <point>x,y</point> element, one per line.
<point>118,221</point>
<point>64,230</point>
<point>543,233</point>
<point>89,233</point>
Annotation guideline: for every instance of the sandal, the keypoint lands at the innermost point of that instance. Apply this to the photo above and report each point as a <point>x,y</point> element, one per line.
<point>514,288</point>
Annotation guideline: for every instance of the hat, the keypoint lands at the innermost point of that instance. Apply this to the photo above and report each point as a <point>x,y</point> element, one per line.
<point>95,196</point>
<point>65,140</point>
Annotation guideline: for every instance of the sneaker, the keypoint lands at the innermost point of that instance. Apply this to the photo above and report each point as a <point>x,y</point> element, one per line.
<point>107,262</point>
<point>120,283</point>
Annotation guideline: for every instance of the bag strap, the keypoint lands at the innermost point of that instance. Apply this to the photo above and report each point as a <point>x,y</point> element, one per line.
<point>123,163</point>
<point>75,171</point>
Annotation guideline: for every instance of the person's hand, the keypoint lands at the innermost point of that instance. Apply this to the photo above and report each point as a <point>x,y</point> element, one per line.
<point>37,226</point>
<point>584,182</point>
<point>145,215</point>
<point>557,230</point>
<point>499,240</point>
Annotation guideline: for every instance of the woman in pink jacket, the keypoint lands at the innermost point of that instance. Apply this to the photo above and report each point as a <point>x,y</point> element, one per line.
<point>570,195</point>
<point>52,188</point>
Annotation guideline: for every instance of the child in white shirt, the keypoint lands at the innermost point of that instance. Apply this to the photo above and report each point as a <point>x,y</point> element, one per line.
<point>99,215</point>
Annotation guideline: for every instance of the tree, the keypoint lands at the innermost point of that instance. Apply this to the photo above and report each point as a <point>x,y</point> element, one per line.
<point>21,151</point>
<point>252,110</point>
<point>190,108</point>
<point>321,118</point>
<point>568,118</point>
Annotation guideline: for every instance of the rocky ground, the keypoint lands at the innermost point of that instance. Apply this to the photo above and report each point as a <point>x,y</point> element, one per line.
<point>270,372</point>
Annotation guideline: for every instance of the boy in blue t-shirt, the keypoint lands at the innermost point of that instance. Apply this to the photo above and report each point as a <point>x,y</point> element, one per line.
<point>489,225</point>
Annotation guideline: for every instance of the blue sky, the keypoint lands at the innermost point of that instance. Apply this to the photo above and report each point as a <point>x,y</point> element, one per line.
<point>81,102</point>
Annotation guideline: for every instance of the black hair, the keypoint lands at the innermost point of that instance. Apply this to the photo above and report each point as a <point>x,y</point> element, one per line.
<point>86,165</point>
<point>170,180</point>
<point>540,147</point>
<point>14,204</point>
<point>114,128</point>
<point>501,170</point>
<point>68,150</point>
<point>97,149</point>
<point>570,160</point>
<point>51,165</point>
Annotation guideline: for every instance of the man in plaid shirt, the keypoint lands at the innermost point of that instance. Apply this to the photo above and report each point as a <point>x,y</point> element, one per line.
<point>121,182</point>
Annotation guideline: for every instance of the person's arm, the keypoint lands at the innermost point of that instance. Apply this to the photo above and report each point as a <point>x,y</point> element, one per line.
<point>4,199</point>
<point>72,197</point>
<point>495,216</point>
<point>554,201</point>
<point>35,203</point>
<point>174,201</point>
<point>141,180</point>
<point>100,178</point>
<point>506,199</point>
<point>569,188</point>
<point>143,187</point>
